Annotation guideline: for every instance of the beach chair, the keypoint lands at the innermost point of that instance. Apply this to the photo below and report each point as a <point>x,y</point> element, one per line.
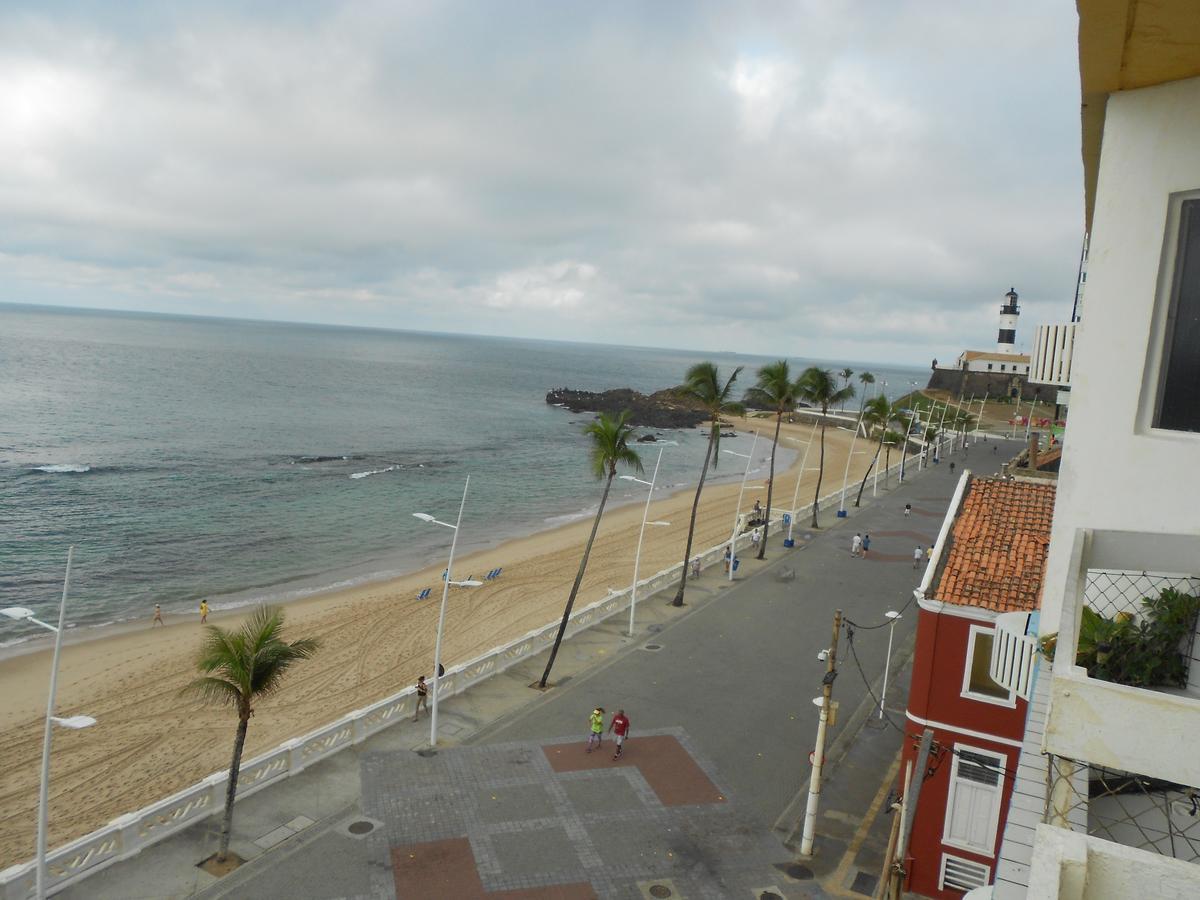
<point>490,575</point>
<point>424,594</point>
<point>498,571</point>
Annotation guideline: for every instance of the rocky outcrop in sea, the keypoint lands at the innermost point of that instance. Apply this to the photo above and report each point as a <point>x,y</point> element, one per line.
<point>662,409</point>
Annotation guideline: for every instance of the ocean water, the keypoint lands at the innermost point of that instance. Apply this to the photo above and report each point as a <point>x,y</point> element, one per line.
<point>238,461</point>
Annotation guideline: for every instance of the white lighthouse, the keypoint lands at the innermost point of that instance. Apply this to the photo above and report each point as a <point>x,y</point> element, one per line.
<point>1007,341</point>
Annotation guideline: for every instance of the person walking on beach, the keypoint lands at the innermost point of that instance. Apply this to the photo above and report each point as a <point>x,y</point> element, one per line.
<point>203,612</point>
<point>158,619</point>
<point>596,726</point>
<point>866,545</point>
<point>619,726</point>
<point>856,544</point>
<point>907,509</point>
<point>917,554</point>
<point>422,697</point>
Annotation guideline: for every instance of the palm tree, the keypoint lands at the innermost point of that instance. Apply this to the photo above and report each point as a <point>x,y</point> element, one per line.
<point>877,413</point>
<point>817,386</point>
<point>775,390</point>
<point>866,378</point>
<point>703,384</point>
<point>846,374</point>
<point>893,439</point>
<point>610,445</point>
<point>239,667</point>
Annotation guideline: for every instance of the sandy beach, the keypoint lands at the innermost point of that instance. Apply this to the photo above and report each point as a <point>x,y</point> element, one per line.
<point>377,638</point>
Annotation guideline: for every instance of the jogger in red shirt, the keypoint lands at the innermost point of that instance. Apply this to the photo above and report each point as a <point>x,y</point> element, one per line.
<point>619,726</point>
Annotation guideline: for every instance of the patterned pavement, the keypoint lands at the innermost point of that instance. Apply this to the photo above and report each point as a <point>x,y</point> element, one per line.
<point>547,821</point>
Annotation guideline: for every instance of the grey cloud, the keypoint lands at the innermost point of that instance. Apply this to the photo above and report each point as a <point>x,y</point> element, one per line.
<point>807,179</point>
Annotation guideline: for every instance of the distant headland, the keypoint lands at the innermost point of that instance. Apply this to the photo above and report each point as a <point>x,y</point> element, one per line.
<point>662,409</point>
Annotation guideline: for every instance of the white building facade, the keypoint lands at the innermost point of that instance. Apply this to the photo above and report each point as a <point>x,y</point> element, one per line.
<point>1119,763</point>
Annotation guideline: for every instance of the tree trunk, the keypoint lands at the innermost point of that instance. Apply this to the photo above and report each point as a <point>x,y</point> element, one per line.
<point>762,547</point>
<point>867,474</point>
<point>887,468</point>
<point>820,468</point>
<point>687,552</point>
<point>562,627</point>
<point>235,765</point>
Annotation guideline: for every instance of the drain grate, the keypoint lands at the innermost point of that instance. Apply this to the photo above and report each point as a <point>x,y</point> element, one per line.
<point>660,891</point>
<point>770,895</point>
<point>653,648</point>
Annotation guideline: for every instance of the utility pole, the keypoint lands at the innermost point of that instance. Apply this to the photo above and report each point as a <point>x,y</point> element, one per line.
<point>814,783</point>
<point>909,811</point>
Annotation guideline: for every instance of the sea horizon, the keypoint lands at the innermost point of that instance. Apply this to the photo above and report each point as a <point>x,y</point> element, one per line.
<point>191,457</point>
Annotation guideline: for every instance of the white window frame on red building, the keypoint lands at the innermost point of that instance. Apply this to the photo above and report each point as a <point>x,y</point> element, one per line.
<point>966,691</point>
<point>998,789</point>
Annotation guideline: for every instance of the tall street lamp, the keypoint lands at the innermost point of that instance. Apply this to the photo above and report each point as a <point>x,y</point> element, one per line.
<point>637,557</point>
<point>447,581</point>
<point>22,614</point>
<point>800,477</point>
<point>841,513</point>
<point>887,661</point>
<point>733,534</point>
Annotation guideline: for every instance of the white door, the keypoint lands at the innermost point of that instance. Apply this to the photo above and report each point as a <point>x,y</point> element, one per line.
<point>973,806</point>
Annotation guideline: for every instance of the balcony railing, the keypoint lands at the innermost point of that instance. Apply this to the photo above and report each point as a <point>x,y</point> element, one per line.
<point>1125,752</point>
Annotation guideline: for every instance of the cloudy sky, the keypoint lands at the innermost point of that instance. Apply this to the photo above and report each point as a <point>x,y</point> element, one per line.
<point>844,180</point>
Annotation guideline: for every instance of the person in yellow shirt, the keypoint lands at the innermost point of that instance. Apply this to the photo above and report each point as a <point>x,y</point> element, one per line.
<point>596,723</point>
<point>203,612</point>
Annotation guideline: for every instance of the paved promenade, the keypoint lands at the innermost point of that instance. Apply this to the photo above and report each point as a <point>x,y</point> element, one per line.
<point>705,801</point>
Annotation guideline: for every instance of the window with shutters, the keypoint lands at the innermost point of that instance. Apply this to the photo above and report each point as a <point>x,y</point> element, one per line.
<point>973,805</point>
<point>977,676</point>
<point>960,874</point>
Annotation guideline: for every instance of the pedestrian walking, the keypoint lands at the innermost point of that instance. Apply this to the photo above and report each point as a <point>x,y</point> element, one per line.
<point>696,567</point>
<point>952,468</point>
<point>866,545</point>
<point>755,537</point>
<point>596,728</point>
<point>907,509</point>
<point>203,612</point>
<point>917,554</point>
<point>158,619</point>
<point>619,726</point>
<point>856,544</point>
<point>422,697</point>
<point>995,449</point>
<point>727,559</point>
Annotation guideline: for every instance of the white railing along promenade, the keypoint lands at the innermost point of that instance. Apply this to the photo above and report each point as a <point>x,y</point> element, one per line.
<point>128,835</point>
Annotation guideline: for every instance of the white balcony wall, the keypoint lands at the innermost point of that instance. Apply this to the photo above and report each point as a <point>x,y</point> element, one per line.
<point>1132,477</point>
<point>1071,866</point>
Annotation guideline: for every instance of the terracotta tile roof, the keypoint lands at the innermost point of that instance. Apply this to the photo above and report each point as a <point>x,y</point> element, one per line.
<point>997,554</point>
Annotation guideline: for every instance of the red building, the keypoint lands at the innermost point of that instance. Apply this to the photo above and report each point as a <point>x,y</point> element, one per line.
<point>989,559</point>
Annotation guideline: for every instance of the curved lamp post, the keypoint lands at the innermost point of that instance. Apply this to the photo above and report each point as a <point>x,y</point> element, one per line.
<point>742,490</point>
<point>887,661</point>
<point>20,613</point>
<point>437,649</point>
<point>637,556</point>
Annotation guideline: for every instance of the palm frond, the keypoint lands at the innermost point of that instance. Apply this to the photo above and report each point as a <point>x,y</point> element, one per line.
<point>610,444</point>
<point>216,691</point>
<point>251,661</point>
